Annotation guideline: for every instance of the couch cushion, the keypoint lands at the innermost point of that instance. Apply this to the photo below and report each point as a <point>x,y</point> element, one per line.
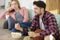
<point>31,14</point>
<point>58,20</point>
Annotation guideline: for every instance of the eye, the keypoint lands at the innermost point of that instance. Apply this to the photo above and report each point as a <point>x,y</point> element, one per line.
<point>13,3</point>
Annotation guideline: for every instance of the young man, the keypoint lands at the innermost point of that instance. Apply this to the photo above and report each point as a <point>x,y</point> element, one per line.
<point>43,20</point>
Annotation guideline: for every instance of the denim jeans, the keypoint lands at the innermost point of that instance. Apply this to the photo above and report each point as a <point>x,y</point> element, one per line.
<point>24,25</point>
<point>11,25</point>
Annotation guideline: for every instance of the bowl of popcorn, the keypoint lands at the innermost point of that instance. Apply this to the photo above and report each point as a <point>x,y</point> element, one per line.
<point>16,35</point>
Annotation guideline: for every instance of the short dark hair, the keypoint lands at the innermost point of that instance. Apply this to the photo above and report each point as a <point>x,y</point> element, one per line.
<point>39,4</point>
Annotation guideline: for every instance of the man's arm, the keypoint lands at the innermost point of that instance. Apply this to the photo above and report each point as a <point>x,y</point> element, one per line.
<point>52,26</point>
<point>33,25</point>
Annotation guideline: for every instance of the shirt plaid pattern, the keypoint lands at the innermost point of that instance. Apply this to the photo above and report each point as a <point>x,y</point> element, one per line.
<point>49,22</point>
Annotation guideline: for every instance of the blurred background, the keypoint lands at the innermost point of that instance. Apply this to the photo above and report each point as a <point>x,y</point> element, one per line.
<point>52,5</point>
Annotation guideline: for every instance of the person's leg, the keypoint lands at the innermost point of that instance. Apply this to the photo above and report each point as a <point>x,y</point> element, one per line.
<point>18,31</point>
<point>14,30</point>
<point>11,23</point>
<point>25,24</point>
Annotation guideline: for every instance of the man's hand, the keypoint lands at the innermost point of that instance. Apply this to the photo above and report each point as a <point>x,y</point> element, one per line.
<point>33,34</point>
<point>18,27</point>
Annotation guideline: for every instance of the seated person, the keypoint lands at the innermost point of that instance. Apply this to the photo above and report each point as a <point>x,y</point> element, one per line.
<point>16,14</point>
<point>44,23</point>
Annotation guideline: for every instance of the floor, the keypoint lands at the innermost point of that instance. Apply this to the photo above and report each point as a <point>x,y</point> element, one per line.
<point>4,33</point>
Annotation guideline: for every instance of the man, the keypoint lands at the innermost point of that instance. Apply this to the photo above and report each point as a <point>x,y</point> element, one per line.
<point>43,20</point>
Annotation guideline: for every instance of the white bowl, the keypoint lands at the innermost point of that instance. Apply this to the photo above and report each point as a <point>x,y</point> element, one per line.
<point>16,35</point>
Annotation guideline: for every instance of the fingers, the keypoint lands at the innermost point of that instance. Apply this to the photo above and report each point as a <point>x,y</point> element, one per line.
<point>17,26</point>
<point>33,34</point>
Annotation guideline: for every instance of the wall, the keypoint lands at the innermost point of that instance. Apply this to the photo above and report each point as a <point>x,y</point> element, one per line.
<point>25,3</point>
<point>53,6</point>
<point>2,2</point>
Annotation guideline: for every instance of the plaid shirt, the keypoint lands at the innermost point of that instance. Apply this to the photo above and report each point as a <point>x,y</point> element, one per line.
<point>49,22</point>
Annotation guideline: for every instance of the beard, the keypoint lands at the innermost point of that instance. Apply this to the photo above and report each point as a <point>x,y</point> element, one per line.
<point>39,14</point>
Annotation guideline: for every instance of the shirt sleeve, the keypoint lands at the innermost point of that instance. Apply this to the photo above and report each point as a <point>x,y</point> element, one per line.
<point>26,18</point>
<point>33,25</point>
<point>52,26</point>
<point>2,15</point>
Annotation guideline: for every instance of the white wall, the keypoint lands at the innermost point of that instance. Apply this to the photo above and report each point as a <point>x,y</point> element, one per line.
<point>6,3</point>
<point>25,3</point>
<point>2,2</point>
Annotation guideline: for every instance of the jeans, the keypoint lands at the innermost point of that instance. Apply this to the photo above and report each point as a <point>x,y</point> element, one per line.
<point>11,23</point>
<point>24,25</point>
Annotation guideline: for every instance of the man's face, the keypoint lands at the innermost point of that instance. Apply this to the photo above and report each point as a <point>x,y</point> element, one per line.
<point>37,10</point>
